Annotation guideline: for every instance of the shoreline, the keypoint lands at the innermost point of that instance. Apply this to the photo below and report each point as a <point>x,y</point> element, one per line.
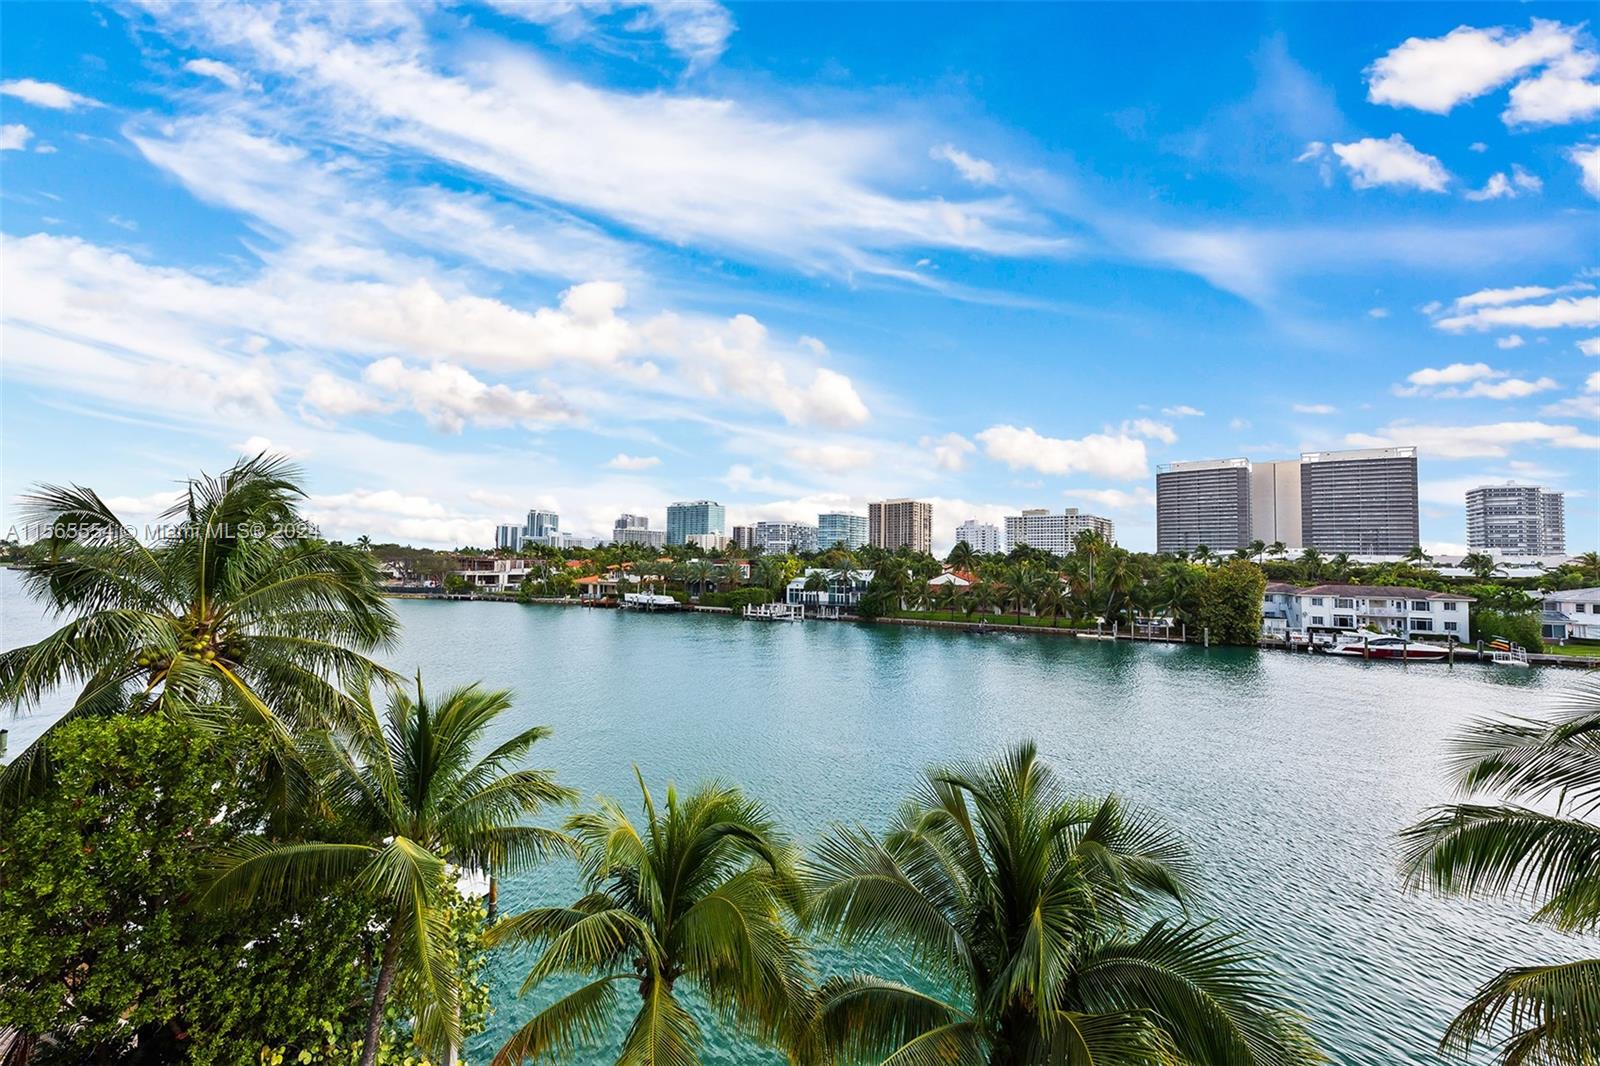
<point>1468,654</point>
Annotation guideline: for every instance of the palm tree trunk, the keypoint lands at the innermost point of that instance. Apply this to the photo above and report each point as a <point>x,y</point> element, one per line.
<point>391,955</point>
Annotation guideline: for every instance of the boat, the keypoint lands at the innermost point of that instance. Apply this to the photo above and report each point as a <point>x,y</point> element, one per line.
<point>1389,647</point>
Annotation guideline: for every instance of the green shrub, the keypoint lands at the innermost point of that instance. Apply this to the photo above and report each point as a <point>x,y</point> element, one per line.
<point>1520,627</point>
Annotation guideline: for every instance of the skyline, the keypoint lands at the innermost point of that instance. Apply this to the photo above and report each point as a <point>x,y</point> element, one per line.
<point>458,261</point>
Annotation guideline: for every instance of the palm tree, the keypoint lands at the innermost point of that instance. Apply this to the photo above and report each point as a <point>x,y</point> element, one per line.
<point>1055,600</point>
<point>234,612</point>
<point>1257,549</point>
<point>364,543</point>
<point>1033,907</point>
<point>1204,555</point>
<point>1278,549</point>
<point>768,573</point>
<point>698,894</point>
<point>701,572</point>
<point>1481,565</point>
<point>417,801</point>
<point>1512,848</point>
<point>962,557</point>
<point>1419,557</point>
<point>1310,564</point>
<point>1340,567</point>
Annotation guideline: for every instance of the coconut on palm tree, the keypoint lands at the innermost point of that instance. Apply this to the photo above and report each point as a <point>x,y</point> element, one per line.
<point>700,895</point>
<point>1034,915</point>
<point>232,612</point>
<point>415,797</point>
<point>1539,840</point>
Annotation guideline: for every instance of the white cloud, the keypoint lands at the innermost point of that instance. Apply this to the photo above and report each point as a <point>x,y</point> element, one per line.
<point>1524,180</point>
<point>1484,381</point>
<point>1514,294</point>
<point>327,395</point>
<point>45,94</point>
<point>1378,312</point>
<point>721,173</point>
<point>217,70</point>
<point>697,30</point>
<point>1237,424</point>
<point>1315,409</point>
<point>1586,405</point>
<point>949,451</point>
<point>970,167</point>
<point>1392,161</point>
<point>834,458</point>
<point>14,137</point>
<point>391,515</point>
<point>1557,314</point>
<point>449,397</point>
<point>1120,457</point>
<point>1436,74</point>
<point>1492,441</point>
<point>1149,427</point>
<point>1587,156</point>
<point>1136,499</point>
<point>1183,410</point>
<point>1513,341</point>
<point>623,461</point>
<point>1497,188</point>
<point>1590,346</point>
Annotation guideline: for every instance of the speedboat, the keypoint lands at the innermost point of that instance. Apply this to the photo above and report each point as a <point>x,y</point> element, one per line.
<point>1389,647</point>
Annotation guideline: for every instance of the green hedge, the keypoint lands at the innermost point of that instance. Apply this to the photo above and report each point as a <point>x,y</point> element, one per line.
<point>737,599</point>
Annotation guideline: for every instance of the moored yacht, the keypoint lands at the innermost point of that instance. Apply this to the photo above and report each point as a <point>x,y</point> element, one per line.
<point>1389,647</point>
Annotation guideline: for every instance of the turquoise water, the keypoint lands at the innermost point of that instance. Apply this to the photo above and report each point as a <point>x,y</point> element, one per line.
<point>1289,774</point>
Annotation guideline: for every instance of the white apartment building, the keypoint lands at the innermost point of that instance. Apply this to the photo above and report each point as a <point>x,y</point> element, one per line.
<point>492,574</point>
<point>984,538</point>
<point>781,538</point>
<point>1047,531</point>
<point>1406,612</point>
<point>1512,519</point>
<point>839,593</point>
<point>706,542</point>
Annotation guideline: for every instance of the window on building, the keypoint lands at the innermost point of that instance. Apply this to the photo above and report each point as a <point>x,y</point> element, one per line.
<point>1316,601</point>
<point>1317,620</point>
<point>1419,605</point>
<point>1344,603</point>
<point>1344,621</point>
<point>1577,608</point>
<point>1422,625</point>
<point>1450,627</point>
<point>1450,605</point>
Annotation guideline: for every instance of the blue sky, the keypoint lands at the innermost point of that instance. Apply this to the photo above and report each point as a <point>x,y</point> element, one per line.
<point>467,259</point>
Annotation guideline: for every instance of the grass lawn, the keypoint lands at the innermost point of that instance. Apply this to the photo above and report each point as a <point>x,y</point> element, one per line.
<point>1580,650</point>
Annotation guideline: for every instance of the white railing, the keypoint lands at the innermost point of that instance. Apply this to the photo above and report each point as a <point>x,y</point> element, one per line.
<point>1512,656</point>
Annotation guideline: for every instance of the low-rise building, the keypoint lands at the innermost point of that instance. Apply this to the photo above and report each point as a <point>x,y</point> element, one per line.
<point>494,574</point>
<point>1571,614</point>
<point>839,592</point>
<point>1408,612</point>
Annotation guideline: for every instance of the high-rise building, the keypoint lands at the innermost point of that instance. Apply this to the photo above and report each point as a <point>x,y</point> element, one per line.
<point>1516,519</point>
<point>781,538</point>
<point>839,528</point>
<point>1363,502</point>
<point>706,542</point>
<point>1275,502</point>
<point>982,537</point>
<point>1039,528</point>
<point>508,537</point>
<point>1203,504</point>
<point>743,537</point>
<point>694,516</point>
<point>901,524</point>
<point>540,524</point>
<point>635,529</point>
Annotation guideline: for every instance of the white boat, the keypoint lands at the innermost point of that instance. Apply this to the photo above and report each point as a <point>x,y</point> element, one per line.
<point>1389,647</point>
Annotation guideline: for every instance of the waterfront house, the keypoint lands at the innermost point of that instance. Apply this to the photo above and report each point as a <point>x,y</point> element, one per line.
<point>1570,614</point>
<point>1301,611</point>
<point>493,574</point>
<point>959,578</point>
<point>839,593</point>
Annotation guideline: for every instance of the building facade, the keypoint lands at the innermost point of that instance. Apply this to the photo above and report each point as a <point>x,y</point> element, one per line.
<point>493,574</point>
<point>841,529</point>
<point>901,524</point>
<point>1513,519</point>
<point>781,538</point>
<point>706,542</point>
<point>984,538</point>
<point>1407,612</point>
<point>508,537</point>
<point>839,592</point>
<point>694,516</point>
<point>1360,502</point>
<point>743,537</point>
<point>1275,503</point>
<point>1571,614</point>
<point>541,524</point>
<point>635,529</point>
<point>1205,503</point>
<point>1057,533</point>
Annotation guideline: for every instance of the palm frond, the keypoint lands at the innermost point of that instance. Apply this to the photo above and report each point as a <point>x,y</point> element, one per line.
<point>1550,1015</point>
<point>571,1024</point>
